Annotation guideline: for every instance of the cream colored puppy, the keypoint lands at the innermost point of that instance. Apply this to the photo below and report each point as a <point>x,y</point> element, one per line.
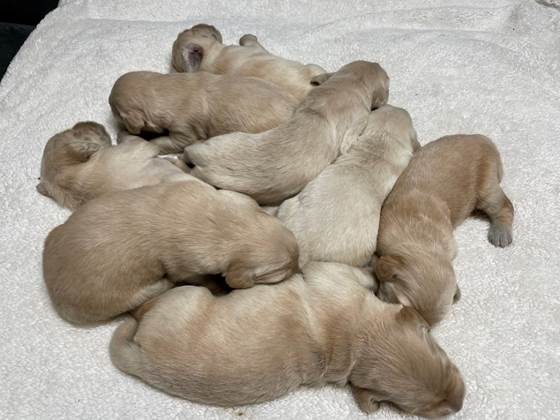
<point>121,249</point>
<point>201,48</point>
<point>194,107</point>
<point>80,164</point>
<point>444,183</point>
<point>278,163</point>
<point>257,345</point>
<point>336,216</point>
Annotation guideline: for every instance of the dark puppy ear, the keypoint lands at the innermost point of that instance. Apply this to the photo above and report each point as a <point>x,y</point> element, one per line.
<point>81,150</point>
<point>192,57</point>
<point>320,79</point>
<point>387,267</point>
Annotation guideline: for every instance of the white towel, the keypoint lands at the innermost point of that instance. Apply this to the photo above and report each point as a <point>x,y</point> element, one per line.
<point>457,67</point>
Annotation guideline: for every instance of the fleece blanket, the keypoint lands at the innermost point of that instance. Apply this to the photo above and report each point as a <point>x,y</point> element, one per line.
<point>458,66</point>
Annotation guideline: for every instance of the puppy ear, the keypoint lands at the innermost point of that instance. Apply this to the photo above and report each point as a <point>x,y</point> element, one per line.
<point>133,122</point>
<point>192,57</point>
<point>41,189</point>
<point>81,150</point>
<point>320,79</point>
<point>387,267</point>
<point>380,94</point>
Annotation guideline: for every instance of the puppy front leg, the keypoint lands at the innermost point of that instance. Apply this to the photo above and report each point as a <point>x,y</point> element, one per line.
<point>366,400</point>
<point>250,40</point>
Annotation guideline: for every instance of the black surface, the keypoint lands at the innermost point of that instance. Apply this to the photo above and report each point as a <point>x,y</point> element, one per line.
<point>18,18</point>
<point>12,36</point>
<point>28,12</point>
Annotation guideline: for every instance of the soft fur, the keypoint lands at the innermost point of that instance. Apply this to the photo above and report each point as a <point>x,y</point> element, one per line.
<point>121,249</point>
<point>336,216</point>
<point>444,183</point>
<point>257,345</point>
<point>201,48</point>
<point>80,164</point>
<point>277,164</point>
<point>194,107</point>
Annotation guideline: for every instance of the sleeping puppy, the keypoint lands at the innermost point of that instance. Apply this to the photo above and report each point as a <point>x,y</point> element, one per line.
<point>444,183</point>
<point>336,216</point>
<point>194,107</point>
<point>201,48</point>
<point>121,249</point>
<point>80,164</point>
<point>278,163</point>
<point>256,345</point>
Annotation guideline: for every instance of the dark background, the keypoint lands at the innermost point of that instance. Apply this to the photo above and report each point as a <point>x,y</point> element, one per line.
<point>18,18</point>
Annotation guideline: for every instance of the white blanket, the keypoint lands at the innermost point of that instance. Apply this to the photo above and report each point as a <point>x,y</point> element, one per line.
<point>490,67</point>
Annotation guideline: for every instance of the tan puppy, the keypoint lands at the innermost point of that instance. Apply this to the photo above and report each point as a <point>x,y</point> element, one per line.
<point>336,216</point>
<point>80,164</point>
<point>121,249</point>
<point>257,345</point>
<point>444,183</point>
<point>194,107</point>
<point>277,164</point>
<point>201,48</point>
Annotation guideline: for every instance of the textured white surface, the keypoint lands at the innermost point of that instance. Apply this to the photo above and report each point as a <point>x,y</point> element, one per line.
<point>457,66</point>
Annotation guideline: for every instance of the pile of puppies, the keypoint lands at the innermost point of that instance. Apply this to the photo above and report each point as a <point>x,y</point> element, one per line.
<point>345,189</point>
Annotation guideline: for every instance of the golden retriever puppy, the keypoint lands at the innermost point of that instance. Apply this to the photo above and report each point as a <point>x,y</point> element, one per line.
<point>80,164</point>
<point>121,249</point>
<point>194,107</point>
<point>259,344</point>
<point>201,48</point>
<point>443,184</point>
<point>278,163</point>
<point>336,216</point>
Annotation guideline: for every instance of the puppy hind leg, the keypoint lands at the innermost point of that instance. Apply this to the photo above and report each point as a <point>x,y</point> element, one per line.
<point>499,209</point>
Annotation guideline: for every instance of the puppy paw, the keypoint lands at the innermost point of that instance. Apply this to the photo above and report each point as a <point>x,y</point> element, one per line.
<point>370,406</point>
<point>500,235</point>
<point>247,39</point>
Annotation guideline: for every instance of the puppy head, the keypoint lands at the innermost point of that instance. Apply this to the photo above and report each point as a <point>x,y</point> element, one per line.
<point>268,253</point>
<point>395,121</point>
<point>64,153</point>
<point>424,283</point>
<point>188,48</point>
<point>132,97</point>
<point>374,79</point>
<point>401,363</point>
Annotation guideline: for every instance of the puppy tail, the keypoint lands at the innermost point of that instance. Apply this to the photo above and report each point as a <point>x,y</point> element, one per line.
<point>126,355</point>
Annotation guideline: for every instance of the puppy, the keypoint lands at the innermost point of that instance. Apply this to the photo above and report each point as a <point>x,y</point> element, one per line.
<point>257,345</point>
<point>201,48</point>
<point>444,182</point>
<point>194,107</point>
<point>278,163</point>
<point>80,164</point>
<point>121,249</point>
<point>336,216</point>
